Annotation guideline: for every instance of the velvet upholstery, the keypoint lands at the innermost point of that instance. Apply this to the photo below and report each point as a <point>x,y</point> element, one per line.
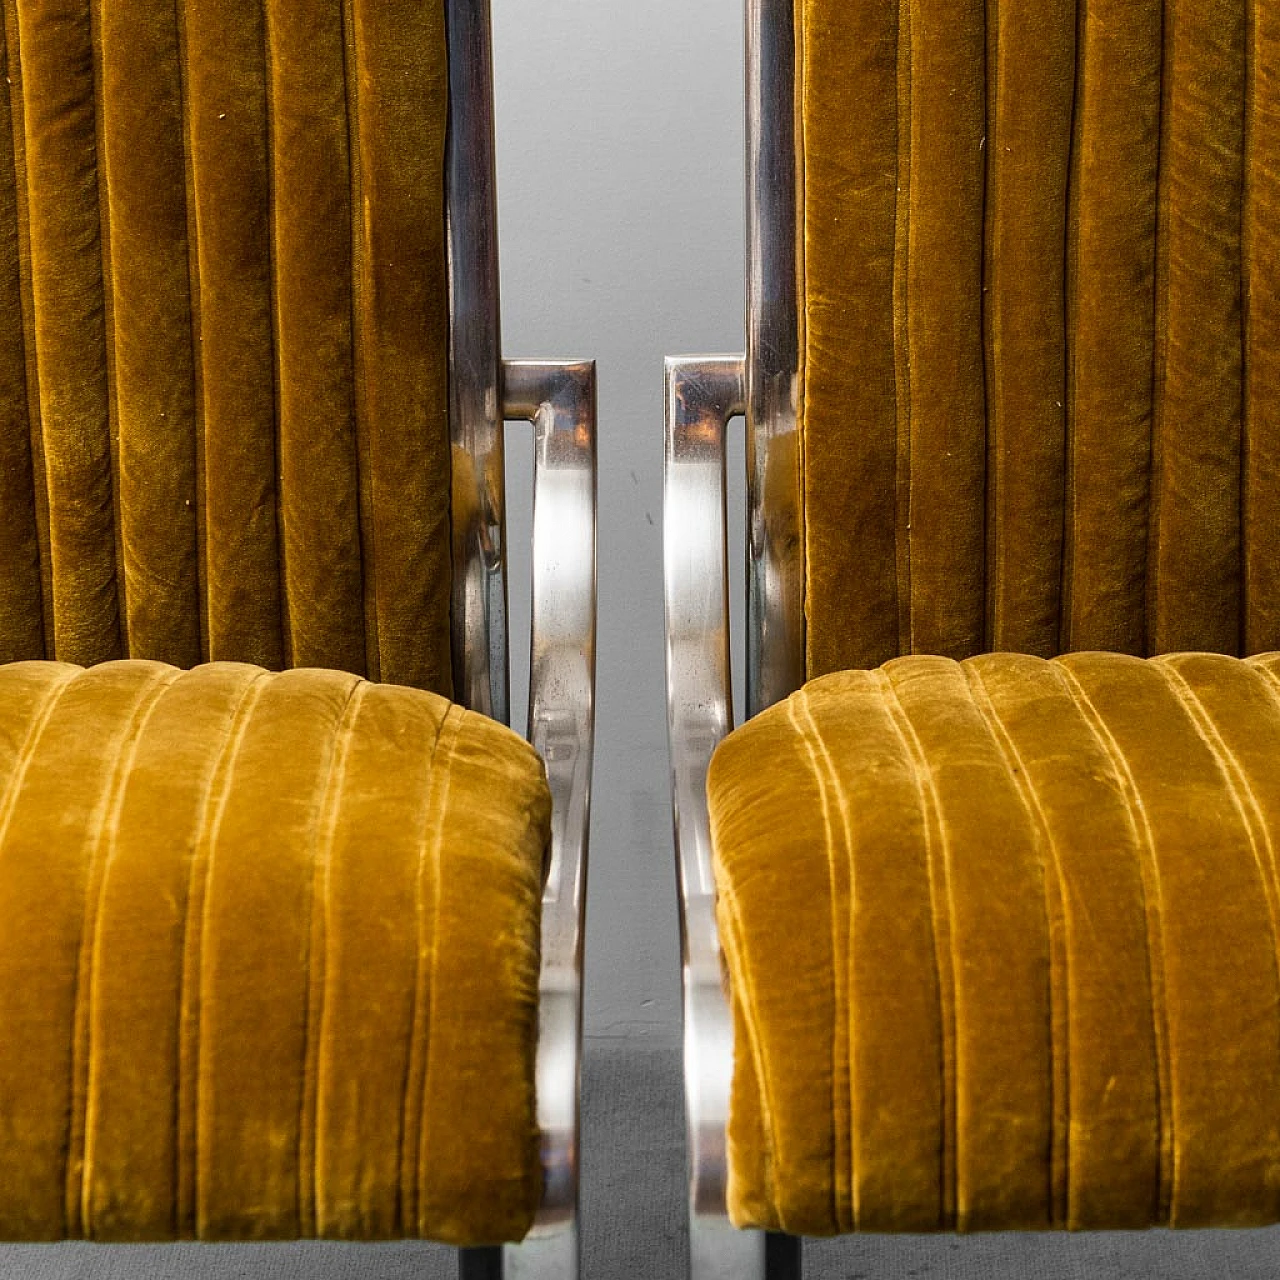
<point>224,334</point>
<point>1001,936</point>
<point>1002,945</point>
<point>268,943</point>
<point>1040,314</point>
<point>268,958</point>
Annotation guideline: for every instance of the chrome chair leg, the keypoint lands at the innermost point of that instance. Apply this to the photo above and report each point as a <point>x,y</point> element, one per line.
<point>480,1264</point>
<point>782,1257</point>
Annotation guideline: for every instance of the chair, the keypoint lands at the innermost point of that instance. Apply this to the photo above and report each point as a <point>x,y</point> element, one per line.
<point>1007,396</point>
<point>254,402</point>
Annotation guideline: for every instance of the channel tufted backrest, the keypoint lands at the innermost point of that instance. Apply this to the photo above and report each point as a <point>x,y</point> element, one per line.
<point>223,334</point>
<point>1041,326</point>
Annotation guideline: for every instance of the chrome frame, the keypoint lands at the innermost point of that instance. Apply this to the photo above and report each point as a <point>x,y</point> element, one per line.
<point>559,399</point>
<point>702,395</point>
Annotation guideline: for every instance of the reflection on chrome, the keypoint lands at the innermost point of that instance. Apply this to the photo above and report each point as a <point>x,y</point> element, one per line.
<point>475,368</point>
<point>702,395</point>
<point>560,400</point>
<point>775,572</point>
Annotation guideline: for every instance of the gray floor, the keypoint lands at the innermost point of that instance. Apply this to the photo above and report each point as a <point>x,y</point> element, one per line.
<point>632,1224</point>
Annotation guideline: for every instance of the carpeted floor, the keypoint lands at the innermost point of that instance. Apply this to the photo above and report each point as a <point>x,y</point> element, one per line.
<point>632,1202</point>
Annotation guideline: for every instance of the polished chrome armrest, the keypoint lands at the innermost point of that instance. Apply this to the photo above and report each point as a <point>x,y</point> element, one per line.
<point>560,400</point>
<point>701,396</point>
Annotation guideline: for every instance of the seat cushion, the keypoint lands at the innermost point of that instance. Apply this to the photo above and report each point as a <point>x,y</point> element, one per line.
<point>1001,939</point>
<point>268,958</point>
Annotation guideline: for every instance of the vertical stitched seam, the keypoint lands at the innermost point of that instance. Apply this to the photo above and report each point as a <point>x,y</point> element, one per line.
<point>985,150</point>
<point>1246,248</point>
<point>101,168</point>
<point>1271,679</point>
<point>231,734</point>
<point>190,1025</point>
<point>1243,796</point>
<point>13,785</point>
<point>1059,1195</point>
<point>197,351</point>
<point>362,422</point>
<point>904,424</point>
<point>315,1027</point>
<point>842,802</point>
<point>1070,299</point>
<point>1063,317</point>
<point>937,859</point>
<point>273,265</point>
<point>990,328</point>
<point>1150,513</point>
<point>106,824</point>
<point>1160,336</point>
<point>743,993</point>
<point>416,1064</point>
<point>1153,912</point>
<point>844,1210</point>
<point>437,851</point>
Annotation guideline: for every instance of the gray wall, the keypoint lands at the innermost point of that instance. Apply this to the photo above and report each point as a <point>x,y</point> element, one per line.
<point>620,188</point>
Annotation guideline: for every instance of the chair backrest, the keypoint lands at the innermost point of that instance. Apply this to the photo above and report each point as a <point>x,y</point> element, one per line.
<point>1039,327</point>
<point>224,372</point>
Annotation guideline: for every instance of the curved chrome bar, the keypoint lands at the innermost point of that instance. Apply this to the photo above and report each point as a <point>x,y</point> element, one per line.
<point>701,396</point>
<point>560,400</point>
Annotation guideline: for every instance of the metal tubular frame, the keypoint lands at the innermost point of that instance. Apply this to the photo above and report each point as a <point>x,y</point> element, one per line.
<point>559,399</point>
<point>702,395</point>
<point>775,574</point>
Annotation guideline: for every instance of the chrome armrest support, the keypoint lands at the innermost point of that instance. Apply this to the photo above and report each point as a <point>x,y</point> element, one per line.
<point>701,396</point>
<point>560,400</point>
<point>479,612</point>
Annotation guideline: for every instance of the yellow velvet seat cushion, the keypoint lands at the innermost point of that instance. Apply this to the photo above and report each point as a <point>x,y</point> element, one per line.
<point>1001,939</point>
<point>268,958</point>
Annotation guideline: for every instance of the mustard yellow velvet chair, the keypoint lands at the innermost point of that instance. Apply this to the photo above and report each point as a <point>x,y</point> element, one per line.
<point>981,904</point>
<point>290,920</point>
